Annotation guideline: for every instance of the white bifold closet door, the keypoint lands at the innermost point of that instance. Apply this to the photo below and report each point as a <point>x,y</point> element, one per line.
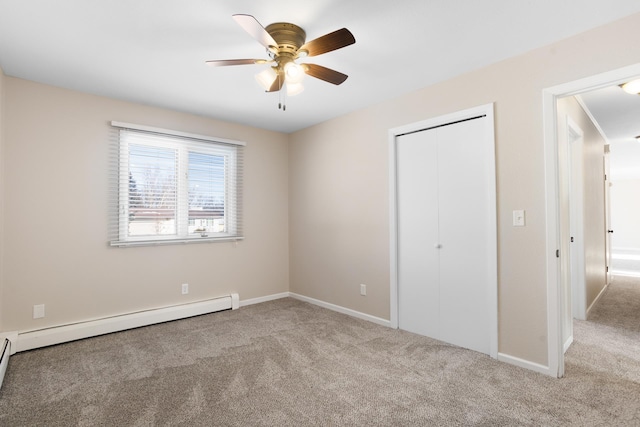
<point>443,207</point>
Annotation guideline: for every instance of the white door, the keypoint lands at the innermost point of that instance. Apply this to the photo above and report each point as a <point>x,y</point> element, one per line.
<point>418,233</point>
<point>607,213</point>
<point>446,252</point>
<point>575,295</point>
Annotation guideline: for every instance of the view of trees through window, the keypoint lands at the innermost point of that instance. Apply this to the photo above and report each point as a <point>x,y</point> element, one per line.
<point>155,191</point>
<point>206,193</point>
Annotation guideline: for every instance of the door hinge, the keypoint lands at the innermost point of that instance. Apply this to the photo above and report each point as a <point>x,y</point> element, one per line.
<point>607,268</point>
<point>557,253</point>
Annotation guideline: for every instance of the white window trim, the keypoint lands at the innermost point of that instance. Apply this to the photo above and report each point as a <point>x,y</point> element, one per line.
<point>125,125</point>
<point>121,238</point>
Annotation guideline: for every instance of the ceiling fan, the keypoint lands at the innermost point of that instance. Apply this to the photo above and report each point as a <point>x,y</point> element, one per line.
<point>285,44</point>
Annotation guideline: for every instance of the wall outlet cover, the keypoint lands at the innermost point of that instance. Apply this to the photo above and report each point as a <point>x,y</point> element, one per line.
<point>38,311</point>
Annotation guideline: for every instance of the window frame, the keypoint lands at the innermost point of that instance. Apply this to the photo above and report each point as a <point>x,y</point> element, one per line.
<point>184,143</point>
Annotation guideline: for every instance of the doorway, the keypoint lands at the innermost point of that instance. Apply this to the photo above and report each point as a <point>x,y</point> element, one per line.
<point>557,274</point>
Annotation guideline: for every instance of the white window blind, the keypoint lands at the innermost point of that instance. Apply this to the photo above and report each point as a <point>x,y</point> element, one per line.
<point>174,187</point>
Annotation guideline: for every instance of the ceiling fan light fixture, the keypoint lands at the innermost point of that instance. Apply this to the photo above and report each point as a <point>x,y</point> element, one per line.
<point>632,87</point>
<point>294,88</point>
<point>285,43</point>
<point>293,73</point>
<point>266,78</point>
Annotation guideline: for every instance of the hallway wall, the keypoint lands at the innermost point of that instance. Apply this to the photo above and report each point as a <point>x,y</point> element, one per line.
<point>593,195</point>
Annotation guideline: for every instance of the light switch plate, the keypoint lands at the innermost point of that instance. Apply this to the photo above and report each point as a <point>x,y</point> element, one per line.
<point>518,218</point>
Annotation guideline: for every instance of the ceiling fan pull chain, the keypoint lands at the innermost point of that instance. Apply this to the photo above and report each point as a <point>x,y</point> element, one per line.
<point>284,99</point>
<point>279,94</point>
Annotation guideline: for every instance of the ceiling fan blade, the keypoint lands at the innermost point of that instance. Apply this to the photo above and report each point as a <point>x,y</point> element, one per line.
<point>324,73</point>
<point>332,41</point>
<point>277,83</point>
<point>225,62</point>
<point>255,30</point>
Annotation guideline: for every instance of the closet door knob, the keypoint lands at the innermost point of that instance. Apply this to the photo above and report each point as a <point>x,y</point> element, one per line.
<point>437,246</point>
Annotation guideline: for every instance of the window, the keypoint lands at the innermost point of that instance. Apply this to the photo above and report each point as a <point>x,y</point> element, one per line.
<point>173,187</point>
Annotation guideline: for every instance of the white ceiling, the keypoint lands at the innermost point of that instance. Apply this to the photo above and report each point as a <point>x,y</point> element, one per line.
<point>618,115</point>
<point>154,51</point>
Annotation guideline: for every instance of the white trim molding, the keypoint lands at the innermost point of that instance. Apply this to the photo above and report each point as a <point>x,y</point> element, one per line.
<point>12,337</point>
<point>595,301</point>
<point>567,344</point>
<point>259,300</point>
<point>532,366</point>
<point>153,129</point>
<point>319,303</point>
<point>5,352</point>
<point>340,309</point>
<point>625,253</point>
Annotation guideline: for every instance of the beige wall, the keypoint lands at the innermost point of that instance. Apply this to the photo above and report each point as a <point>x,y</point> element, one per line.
<point>593,195</point>
<point>339,221</point>
<point>55,216</point>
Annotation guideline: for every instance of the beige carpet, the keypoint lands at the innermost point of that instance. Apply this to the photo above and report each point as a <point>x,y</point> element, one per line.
<point>288,363</point>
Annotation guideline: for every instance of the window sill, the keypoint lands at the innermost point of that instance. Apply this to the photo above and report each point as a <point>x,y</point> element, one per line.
<point>122,244</point>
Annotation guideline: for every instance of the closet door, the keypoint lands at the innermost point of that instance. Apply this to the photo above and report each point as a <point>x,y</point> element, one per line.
<point>417,210</point>
<point>464,207</point>
<point>444,245</point>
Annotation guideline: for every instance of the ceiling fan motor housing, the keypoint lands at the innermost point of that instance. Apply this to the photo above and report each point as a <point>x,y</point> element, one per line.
<point>289,37</point>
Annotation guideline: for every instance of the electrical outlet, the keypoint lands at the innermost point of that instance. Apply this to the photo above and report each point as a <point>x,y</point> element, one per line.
<point>38,311</point>
<point>363,289</point>
<point>185,288</point>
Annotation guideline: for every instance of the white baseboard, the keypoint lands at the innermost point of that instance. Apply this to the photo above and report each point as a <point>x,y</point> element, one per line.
<point>625,253</point>
<point>595,301</point>
<point>11,336</point>
<point>567,344</point>
<point>625,273</point>
<point>341,309</point>
<point>5,351</point>
<point>532,366</point>
<point>258,300</point>
<point>71,332</point>
<point>319,303</point>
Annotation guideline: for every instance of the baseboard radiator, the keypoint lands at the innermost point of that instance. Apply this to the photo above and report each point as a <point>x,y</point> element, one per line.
<point>4,359</point>
<point>64,333</point>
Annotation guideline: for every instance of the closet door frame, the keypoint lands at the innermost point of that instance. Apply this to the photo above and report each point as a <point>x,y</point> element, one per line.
<point>488,138</point>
